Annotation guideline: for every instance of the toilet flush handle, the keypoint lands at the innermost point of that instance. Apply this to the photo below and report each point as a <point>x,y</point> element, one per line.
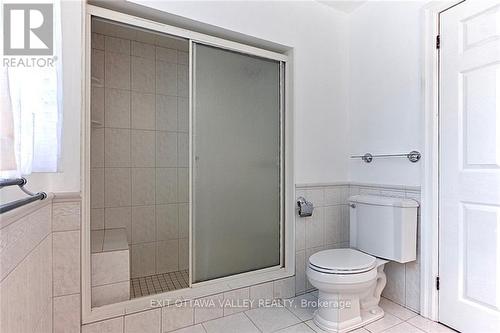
<point>352,205</point>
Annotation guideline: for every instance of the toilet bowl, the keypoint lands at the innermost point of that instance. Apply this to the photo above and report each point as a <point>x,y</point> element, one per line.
<point>349,283</point>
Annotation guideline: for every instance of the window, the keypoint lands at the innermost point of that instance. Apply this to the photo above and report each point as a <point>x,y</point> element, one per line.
<point>31,114</point>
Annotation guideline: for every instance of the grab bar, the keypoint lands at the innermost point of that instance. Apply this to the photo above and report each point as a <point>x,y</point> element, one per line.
<point>413,156</point>
<point>21,202</point>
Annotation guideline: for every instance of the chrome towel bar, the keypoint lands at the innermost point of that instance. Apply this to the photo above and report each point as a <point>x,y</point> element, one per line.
<point>413,156</point>
<point>12,182</point>
<point>21,202</point>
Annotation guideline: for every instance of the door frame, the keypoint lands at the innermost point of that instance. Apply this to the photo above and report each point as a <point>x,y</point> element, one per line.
<point>91,314</point>
<point>429,269</point>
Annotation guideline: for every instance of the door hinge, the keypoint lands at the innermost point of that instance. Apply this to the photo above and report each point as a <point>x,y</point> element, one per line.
<point>437,282</point>
<point>438,41</point>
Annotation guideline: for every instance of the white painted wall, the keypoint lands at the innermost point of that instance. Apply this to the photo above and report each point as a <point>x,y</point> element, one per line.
<point>385,105</point>
<point>68,179</point>
<point>357,84</point>
<point>318,35</point>
<point>378,68</point>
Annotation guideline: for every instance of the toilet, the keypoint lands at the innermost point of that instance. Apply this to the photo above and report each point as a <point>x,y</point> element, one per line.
<point>350,281</point>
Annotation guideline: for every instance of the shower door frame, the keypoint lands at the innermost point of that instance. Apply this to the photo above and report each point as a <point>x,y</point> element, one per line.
<point>287,181</point>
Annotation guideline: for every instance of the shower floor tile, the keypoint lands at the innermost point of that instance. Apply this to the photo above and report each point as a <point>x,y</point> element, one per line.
<point>158,283</point>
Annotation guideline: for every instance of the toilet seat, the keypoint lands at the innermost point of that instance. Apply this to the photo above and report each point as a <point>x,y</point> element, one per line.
<point>342,261</point>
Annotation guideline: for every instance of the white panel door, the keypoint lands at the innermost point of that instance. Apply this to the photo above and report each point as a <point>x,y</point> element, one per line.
<point>469,232</point>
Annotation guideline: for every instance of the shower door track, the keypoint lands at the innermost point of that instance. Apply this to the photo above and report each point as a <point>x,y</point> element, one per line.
<point>286,268</point>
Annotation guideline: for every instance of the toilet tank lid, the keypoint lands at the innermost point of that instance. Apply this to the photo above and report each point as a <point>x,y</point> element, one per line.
<point>383,201</point>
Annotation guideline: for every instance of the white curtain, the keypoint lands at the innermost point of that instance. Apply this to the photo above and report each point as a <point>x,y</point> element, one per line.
<point>32,114</point>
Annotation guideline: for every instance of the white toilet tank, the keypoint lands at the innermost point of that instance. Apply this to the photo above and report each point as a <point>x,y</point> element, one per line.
<point>384,227</point>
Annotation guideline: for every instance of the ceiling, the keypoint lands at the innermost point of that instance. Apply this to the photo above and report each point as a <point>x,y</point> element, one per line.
<point>346,6</point>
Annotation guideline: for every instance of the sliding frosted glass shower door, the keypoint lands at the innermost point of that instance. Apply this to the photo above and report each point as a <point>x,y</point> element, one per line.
<point>236,163</point>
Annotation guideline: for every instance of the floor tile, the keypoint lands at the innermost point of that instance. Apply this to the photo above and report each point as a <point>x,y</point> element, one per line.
<point>288,320</point>
<point>237,323</point>
<point>299,328</point>
<point>272,318</point>
<point>403,328</point>
<point>302,306</point>
<point>385,323</point>
<point>396,309</point>
<point>315,328</point>
<point>191,329</point>
<point>429,326</point>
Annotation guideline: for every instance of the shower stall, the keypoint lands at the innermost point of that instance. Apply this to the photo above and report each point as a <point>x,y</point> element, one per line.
<point>187,182</point>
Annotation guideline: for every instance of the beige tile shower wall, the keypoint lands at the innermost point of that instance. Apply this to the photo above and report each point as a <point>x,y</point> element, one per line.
<point>139,144</point>
<point>329,228</point>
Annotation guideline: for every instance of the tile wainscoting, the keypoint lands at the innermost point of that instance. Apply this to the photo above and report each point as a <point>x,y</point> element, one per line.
<point>40,287</point>
<point>40,266</point>
<point>40,278</point>
<point>329,228</point>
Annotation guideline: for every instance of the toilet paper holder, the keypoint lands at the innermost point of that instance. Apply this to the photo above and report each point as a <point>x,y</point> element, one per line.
<point>305,207</point>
